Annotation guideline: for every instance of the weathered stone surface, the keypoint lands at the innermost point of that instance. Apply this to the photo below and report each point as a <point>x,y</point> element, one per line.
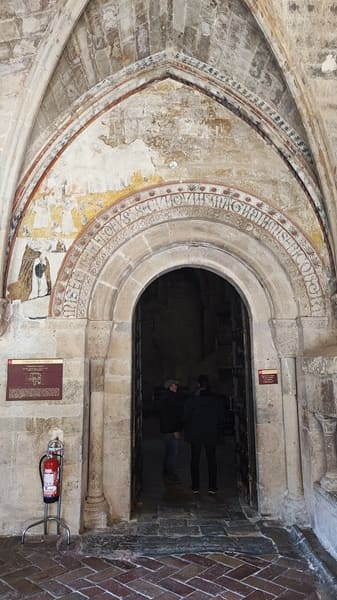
<point>107,133</point>
<point>155,546</point>
<point>247,213</point>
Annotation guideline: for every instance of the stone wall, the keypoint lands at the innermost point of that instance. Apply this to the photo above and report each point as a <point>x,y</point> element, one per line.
<point>319,418</point>
<point>138,137</point>
<point>27,427</point>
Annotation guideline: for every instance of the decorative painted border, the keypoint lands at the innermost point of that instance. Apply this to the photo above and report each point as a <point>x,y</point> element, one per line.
<point>109,230</point>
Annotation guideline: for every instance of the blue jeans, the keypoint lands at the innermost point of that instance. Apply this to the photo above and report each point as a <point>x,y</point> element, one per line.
<point>170,455</point>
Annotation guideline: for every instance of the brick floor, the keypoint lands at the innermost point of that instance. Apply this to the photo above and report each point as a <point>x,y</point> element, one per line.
<point>177,547</point>
<point>45,568</point>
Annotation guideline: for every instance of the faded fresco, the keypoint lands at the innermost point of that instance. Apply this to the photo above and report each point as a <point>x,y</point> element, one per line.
<point>166,133</point>
<point>34,277</point>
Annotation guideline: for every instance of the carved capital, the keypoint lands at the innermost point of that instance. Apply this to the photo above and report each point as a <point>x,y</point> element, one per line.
<point>98,335</point>
<point>285,336</point>
<point>328,424</point>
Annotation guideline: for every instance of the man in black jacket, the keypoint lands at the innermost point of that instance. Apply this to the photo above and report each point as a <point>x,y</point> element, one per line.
<point>171,423</point>
<point>203,424</point>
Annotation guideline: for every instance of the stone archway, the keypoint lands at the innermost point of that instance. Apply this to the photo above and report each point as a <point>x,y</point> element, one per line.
<point>111,407</point>
<point>243,240</point>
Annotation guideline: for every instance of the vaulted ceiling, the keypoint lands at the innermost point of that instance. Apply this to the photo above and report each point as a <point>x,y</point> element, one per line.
<point>111,35</point>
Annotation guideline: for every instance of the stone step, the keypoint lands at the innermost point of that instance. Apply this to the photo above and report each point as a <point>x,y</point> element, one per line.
<point>100,544</point>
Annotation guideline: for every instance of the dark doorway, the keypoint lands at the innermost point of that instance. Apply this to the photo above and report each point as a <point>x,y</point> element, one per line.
<point>190,322</point>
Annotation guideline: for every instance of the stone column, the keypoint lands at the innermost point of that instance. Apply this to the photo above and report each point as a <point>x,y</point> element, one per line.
<point>96,509</point>
<point>285,335</point>
<point>329,479</point>
<point>291,428</point>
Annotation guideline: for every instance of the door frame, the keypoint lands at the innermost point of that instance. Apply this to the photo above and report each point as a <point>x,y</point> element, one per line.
<point>270,456</point>
<point>137,402</point>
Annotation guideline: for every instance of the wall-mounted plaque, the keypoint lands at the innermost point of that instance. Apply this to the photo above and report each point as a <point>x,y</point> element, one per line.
<point>35,379</point>
<point>267,376</point>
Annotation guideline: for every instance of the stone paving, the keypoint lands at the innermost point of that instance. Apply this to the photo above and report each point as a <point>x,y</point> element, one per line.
<point>181,522</point>
<point>44,569</point>
<point>187,547</point>
<point>177,546</point>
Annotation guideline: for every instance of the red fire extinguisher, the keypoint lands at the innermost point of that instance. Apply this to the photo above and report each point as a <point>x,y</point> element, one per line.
<point>49,468</point>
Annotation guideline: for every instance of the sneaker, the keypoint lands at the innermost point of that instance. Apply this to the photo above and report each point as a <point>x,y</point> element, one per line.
<point>212,491</point>
<point>195,491</point>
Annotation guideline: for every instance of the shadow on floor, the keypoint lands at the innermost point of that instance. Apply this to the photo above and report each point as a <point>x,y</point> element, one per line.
<point>158,495</point>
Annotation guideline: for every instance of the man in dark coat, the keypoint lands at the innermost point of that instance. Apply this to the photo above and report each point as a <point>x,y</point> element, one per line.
<point>203,424</point>
<point>171,424</point>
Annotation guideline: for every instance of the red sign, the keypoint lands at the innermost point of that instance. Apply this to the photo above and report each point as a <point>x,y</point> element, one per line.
<point>267,376</point>
<point>34,379</point>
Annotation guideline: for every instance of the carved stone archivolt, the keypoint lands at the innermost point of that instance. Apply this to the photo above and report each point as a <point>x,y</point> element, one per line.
<point>138,213</point>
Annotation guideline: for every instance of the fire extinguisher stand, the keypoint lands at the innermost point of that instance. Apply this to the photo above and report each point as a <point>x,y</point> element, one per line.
<point>55,450</point>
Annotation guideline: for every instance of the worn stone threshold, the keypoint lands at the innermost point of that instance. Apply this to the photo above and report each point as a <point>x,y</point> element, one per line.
<point>105,543</point>
<point>200,527</point>
<point>100,545</point>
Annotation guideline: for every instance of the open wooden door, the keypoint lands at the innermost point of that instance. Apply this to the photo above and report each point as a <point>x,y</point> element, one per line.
<point>243,402</point>
<point>137,413</point>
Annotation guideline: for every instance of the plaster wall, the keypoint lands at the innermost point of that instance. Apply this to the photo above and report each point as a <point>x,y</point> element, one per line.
<point>131,147</point>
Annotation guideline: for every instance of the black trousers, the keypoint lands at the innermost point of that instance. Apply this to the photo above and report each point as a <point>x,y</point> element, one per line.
<point>210,450</point>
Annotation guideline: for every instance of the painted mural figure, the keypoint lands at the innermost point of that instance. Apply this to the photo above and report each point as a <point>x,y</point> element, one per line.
<point>60,246</point>
<point>68,226</point>
<point>43,279</point>
<point>42,216</point>
<point>22,288</point>
<point>56,228</point>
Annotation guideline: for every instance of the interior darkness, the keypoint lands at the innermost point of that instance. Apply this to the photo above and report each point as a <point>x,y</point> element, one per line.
<point>192,322</point>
